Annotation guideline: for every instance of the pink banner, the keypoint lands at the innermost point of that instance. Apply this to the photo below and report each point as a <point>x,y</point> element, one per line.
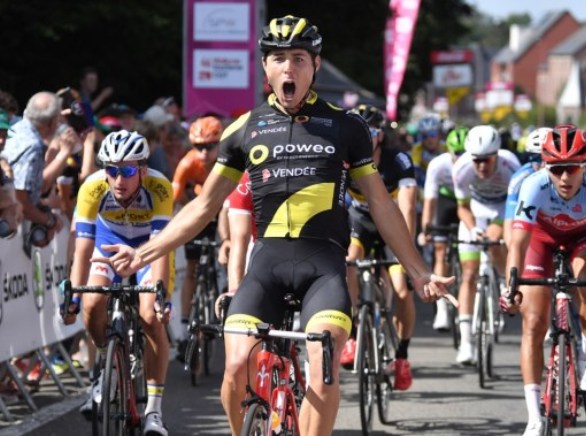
<point>398,36</point>
<point>219,57</point>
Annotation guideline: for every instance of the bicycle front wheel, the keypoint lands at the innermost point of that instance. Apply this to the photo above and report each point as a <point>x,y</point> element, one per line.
<point>456,271</point>
<point>256,421</point>
<point>481,340</point>
<point>562,388</point>
<point>387,346</point>
<point>365,367</point>
<point>115,402</point>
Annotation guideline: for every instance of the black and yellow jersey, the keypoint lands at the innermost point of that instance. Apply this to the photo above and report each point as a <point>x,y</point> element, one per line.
<point>299,166</point>
<point>396,170</point>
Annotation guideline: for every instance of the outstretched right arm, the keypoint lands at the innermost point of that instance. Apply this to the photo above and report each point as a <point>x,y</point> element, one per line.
<point>188,223</point>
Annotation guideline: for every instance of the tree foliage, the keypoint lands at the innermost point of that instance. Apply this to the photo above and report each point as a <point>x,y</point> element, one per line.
<point>137,44</point>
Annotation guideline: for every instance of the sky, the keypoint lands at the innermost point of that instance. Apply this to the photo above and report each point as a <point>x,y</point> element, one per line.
<point>535,8</point>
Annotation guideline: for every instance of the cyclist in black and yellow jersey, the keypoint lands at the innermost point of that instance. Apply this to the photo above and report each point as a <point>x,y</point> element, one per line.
<point>299,151</point>
<point>396,170</point>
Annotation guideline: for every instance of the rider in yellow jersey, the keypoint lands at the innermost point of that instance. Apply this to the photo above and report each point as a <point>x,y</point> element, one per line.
<point>126,202</point>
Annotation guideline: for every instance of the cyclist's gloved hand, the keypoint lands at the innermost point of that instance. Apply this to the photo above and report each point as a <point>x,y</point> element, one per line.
<point>506,306</point>
<point>70,316</point>
<point>477,233</point>
<point>221,305</point>
<point>164,314</point>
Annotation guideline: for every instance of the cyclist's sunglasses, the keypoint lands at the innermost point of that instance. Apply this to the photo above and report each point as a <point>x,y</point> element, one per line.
<point>126,171</point>
<point>374,132</point>
<point>208,146</point>
<point>482,159</point>
<point>430,134</point>
<point>558,170</point>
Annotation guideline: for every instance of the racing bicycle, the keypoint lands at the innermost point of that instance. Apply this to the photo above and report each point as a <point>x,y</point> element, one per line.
<point>124,389</point>
<point>562,396</point>
<point>200,346</point>
<point>452,259</point>
<point>376,343</point>
<point>274,398</point>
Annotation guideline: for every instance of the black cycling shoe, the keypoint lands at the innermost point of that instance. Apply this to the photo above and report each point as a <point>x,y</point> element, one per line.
<point>181,348</point>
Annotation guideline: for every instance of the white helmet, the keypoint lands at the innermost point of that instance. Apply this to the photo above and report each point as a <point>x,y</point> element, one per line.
<point>123,146</point>
<point>482,141</point>
<point>535,140</point>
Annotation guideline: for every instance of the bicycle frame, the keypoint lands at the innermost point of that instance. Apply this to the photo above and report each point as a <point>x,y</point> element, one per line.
<point>452,259</point>
<point>274,370</point>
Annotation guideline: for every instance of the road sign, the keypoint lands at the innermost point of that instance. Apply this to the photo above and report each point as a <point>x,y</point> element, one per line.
<point>456,94</point>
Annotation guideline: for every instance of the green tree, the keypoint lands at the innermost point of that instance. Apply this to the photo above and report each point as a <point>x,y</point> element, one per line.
<point>135,45</point>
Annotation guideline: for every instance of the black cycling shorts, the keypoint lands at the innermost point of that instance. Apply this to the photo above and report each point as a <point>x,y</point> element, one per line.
<point>446,213</point>
<point>364,230</point>
<point>192,251</point>
<point>314,271</point>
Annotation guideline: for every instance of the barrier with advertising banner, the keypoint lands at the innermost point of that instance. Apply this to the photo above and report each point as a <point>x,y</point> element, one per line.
<point>30,297</point>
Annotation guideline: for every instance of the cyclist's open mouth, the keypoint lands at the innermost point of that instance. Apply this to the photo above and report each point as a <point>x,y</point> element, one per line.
<point>289,90</point>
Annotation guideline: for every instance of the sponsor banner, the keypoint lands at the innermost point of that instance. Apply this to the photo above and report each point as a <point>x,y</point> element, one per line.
<point>452,56</point>
<point>398,35</point>
<point>30,297</point>
<point>452,76</point>
<point>219,57</point>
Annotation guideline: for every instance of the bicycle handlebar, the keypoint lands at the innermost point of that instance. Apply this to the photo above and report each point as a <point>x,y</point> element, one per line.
<point>204,242</point>
<point>485,242</point>
<point>558,281</point>
<point>432,229</point>
<point>264,331</point>
<point>368,263</point>
<point>116,288</point>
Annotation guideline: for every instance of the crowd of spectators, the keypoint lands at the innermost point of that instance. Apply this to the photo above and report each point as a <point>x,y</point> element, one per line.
<point>49,149</point>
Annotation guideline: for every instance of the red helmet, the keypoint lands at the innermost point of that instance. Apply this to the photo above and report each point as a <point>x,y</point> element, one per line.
<point>205,130</point>
<point>564,145</point>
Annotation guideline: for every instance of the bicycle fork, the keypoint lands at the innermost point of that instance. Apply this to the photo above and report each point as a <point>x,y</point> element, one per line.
<point>118,329</point>
<point>562,393</point>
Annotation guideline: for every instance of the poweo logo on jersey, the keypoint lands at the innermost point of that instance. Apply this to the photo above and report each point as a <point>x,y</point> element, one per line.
<point>301,119</point>
<point>302,149</point>
<point>258,154</point>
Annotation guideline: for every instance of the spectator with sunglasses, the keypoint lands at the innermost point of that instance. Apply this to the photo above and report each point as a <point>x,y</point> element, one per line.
<point>441,209</point>
<point>550,213</point>
<point>124,202</point>
<point>481,179</point>
<point>190,175</point>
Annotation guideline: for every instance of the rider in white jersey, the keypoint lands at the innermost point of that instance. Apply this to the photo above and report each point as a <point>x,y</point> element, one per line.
<point>441,209</point>
<point>533,146</point>
<point>481,178</point>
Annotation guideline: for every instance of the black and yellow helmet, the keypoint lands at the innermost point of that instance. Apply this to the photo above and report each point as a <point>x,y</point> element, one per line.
<point>290,32</point>
<point>373,116</point>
